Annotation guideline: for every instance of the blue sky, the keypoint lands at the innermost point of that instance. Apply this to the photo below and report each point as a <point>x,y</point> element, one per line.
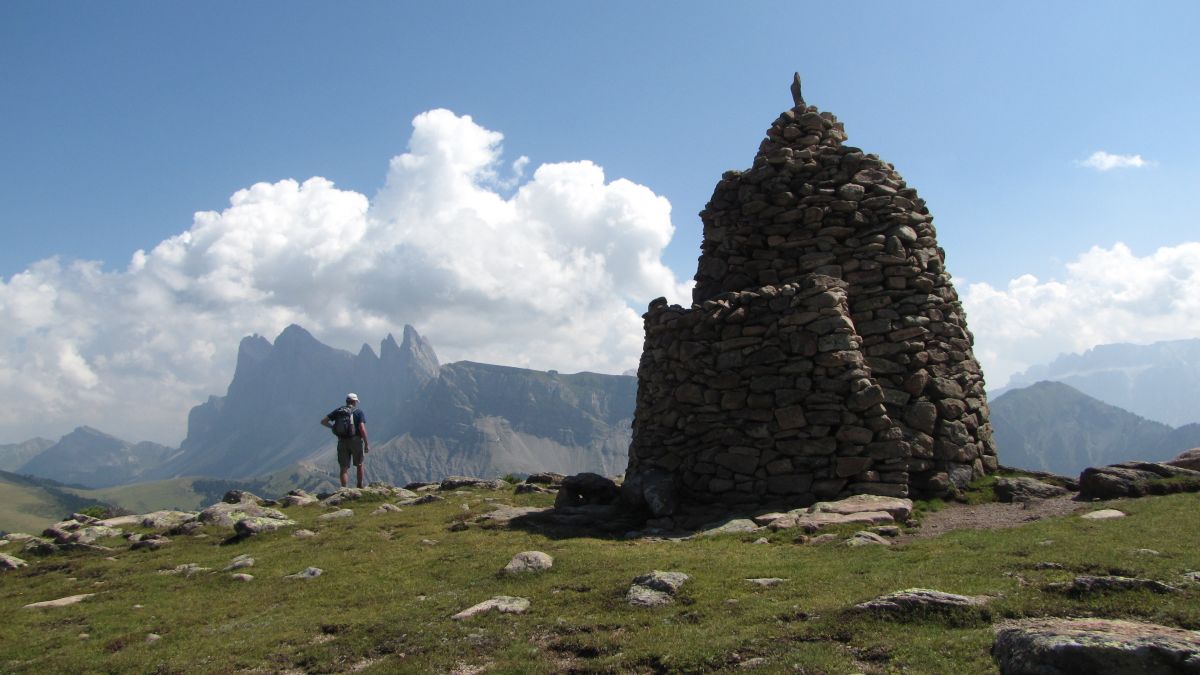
<point>123,120</point>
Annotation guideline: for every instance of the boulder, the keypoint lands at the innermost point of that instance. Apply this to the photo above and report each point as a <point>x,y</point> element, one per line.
<point>423,499</point>
<point>730,526</point>
<point>226,513</point>
<point>502,603</point>
<point>249,527</point>
<point>8,562</point>
<point>38,546</point>
<point>298,498</point>
<point>191,527</point>
<point>1188,459</point>
<point>586,489</point>
<point>528,561</point>
<point>1136,479</point>
<point>545,478</point>
<point>240,497</point>
<point>1022,489</point>
<point>165,520</point>
<point>149,543</point>
<point>504,514</point>
<point>1093,647</point>
<point>921,600</point>
<point>654,491</point>
<point>655,589</point>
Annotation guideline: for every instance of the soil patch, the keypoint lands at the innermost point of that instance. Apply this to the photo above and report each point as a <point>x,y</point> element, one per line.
<point>995,515</point>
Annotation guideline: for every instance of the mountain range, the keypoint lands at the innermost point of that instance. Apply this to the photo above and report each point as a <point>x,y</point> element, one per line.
<point>1159,381</point>
<point>1051,426</point>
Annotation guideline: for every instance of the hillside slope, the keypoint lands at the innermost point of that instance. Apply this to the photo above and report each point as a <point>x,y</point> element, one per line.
<point>1053,427</point>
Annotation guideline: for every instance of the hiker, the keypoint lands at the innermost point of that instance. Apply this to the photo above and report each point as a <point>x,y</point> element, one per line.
<point>349,424</point>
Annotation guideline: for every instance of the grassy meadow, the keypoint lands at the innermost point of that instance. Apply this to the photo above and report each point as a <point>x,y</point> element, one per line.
<point>391,583</point>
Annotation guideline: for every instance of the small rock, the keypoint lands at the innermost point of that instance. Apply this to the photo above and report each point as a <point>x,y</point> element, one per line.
<point>61,602</point>
<point>897,507</point>
<point>502,603</point>
<point>8,562</point>
<point>761,540</point>
<point>887,530</point>
<point>864,538</point>
<point>767,582</point>
<point>336,515</point>
<point>165,520</point>
<point>186,569</point>
<point>756,662</point>
<point>1103,514</point>
<point>386,508</point>
<point>148,543</point>
<point>307,573</point>
<point>1146,551</point>
<point>655,589</point>
<point>1084,585</point>
<point>429,542</point>
<point>1049,566</point>
<point>241,576</point>
<point>920,600</point>
<point>529,561</point>
<point>734,526</point>
<point>458,526</point>
<point>241,562</point>
<point>823,539</point>
<point>152,638</point>
<point>424,499</point>
<point>304,534</point>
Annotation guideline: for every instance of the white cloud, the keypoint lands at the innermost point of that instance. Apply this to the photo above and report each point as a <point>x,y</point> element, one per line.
<point>1108,295</point>
<point>545,273</point>
<point>1103,161</point>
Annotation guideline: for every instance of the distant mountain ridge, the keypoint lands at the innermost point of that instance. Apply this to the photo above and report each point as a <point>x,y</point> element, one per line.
<point>1159,381</point>
<point>1051,426</point>
<point>424,420</point>
<point>90,457</point>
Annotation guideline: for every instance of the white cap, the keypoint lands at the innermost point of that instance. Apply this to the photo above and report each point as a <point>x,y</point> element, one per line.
<point>351,397</point>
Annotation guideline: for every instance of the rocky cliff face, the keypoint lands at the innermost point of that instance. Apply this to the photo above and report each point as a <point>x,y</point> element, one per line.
<point>424,420</point>
<point>826,352</point>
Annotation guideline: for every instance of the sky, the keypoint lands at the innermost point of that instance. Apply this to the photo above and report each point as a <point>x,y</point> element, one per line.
<point>519,180</point>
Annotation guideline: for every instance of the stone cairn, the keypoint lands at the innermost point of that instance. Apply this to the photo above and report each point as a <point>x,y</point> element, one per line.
<point>825,353</point>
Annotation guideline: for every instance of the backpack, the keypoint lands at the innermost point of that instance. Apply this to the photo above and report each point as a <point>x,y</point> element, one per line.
<point>343,422</point>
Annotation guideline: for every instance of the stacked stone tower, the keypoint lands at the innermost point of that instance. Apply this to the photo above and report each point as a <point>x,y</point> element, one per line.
<point>825,353</point>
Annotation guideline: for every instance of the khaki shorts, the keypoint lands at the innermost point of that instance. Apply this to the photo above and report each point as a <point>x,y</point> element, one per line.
<point>350,448</point>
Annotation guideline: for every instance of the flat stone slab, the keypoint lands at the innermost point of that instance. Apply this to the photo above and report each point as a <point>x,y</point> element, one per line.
<point>8,562</point>
<point>248,527</point>
<point>1023,489</point>
<point>504,514</point>
<point>1103,514</point>
<point>1095,647</point>
<point>915,600</point>
<point>529,561</point>
<point>767,582</point>
<point>165,520</point>
<point>504,604</point>
<point>337,515</point>
<point>898,507</point>
<point>61,602</point>
<point>225,514</point>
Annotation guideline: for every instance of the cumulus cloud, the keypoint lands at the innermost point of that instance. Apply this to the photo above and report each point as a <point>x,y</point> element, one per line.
<point>1107,295</point>
<point>544,272</point>
<point>1103,161</point>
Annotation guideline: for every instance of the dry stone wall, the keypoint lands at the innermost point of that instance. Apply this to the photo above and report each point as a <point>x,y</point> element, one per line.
<point>826,352</point>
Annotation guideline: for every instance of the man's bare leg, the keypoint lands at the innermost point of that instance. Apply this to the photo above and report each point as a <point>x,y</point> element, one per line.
<point>360,475</point>
<point>345,474</point>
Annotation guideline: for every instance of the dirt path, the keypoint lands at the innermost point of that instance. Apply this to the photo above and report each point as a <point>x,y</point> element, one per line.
<point>996,515</point>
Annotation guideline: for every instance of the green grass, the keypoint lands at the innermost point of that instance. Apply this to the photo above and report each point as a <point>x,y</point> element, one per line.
<point>27,508</point>
<point>385,600</point>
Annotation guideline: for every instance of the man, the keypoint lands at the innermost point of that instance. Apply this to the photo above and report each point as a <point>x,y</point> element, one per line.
<point>349,424</point>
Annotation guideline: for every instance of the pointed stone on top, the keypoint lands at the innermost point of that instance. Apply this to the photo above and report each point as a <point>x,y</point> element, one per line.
<point>797,98</point>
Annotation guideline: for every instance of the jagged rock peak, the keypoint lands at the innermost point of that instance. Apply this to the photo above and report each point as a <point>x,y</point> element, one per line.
<point>797,97</point>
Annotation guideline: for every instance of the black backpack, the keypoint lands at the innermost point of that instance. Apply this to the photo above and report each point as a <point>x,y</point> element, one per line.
<point>343,422</point>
